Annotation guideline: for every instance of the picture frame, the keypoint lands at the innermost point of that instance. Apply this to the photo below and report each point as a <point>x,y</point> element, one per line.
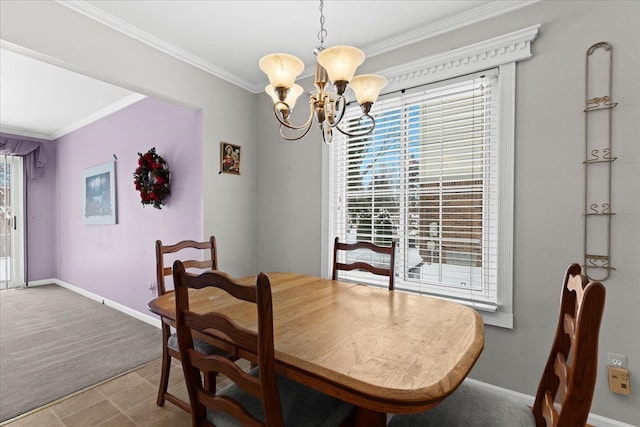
<point>230,158</point>
<point>99,194</point>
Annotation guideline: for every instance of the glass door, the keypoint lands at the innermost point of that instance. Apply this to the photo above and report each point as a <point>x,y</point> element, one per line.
<point>11,222</point>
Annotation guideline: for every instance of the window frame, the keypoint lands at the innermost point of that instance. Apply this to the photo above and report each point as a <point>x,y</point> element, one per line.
<point>501,52</point>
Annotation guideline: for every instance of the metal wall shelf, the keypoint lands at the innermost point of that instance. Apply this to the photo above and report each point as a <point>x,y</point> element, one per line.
<point>598,161</point>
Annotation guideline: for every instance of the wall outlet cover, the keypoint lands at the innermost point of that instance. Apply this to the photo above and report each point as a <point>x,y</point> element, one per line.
<point>619,380</point>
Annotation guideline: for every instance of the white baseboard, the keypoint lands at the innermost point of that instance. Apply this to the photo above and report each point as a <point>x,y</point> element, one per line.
<point>595,420</point>
<point>41,283</point>
<point>153,321</point>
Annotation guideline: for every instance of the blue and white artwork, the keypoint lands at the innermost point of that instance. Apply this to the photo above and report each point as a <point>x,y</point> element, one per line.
<point>100,194</point>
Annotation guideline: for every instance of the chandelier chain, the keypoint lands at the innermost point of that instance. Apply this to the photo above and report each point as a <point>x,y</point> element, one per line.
<point>322,34</point>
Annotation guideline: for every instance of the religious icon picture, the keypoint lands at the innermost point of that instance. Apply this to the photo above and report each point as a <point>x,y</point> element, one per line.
<point>229,158</point>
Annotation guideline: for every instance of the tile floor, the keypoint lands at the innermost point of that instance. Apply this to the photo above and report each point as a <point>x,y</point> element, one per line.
<point>127,400</point>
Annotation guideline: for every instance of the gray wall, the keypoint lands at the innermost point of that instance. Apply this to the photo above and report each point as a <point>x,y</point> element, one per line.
<point>278,198</point>
<point>549,188</point>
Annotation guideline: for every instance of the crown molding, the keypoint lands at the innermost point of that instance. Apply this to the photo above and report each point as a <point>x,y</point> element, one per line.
<point>473,16</point>
<point>493,9</point>
<point>481,13</point>
<point>117,106</point>
<point>511,47</point>
<point>21,132</point>
<point>111,21</point>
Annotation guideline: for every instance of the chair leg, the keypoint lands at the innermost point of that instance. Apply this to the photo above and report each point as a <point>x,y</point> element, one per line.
<point>166,368</point>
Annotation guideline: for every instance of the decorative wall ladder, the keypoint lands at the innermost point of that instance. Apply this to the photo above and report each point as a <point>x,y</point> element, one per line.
<point>598,112</point>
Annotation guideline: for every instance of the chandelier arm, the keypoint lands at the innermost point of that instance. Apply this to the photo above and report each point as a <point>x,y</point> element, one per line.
<point>324,139</point>
<point>327,133</point>
<point>364,132</point>
<point>288,124</point>
<point>343,104</point>
<point>294,138</point>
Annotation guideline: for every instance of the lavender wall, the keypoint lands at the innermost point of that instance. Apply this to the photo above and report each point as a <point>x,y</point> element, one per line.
<point>41,220</point>
<point>118,261</point>
<point>41,208</point>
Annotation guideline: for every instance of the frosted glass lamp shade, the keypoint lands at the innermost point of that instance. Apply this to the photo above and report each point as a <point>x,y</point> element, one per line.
<point>367,87</point>
<point>294,92</point>
<point>281,68</point>
<point>341,62</point>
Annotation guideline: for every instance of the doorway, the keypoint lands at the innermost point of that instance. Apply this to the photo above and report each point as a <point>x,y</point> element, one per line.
<point>12,198</point>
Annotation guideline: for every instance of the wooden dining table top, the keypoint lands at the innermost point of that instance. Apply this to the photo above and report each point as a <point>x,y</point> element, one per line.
<point>384,351</point>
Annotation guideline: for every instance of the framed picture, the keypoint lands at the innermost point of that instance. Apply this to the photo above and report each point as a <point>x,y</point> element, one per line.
<point>99,185</point>
<point>229,158</point>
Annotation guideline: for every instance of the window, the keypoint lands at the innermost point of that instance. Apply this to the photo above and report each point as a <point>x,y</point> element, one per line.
<point>436,175</point>
<point>426,177</point>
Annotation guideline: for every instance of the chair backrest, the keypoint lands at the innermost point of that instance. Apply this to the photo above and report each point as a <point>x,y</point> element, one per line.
<point>216,324</point>
<point>569,376</point>
<point>361,265</point>
<point>210,263</point>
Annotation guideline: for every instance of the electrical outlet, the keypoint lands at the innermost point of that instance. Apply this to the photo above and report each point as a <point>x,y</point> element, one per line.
<point>617,360</point>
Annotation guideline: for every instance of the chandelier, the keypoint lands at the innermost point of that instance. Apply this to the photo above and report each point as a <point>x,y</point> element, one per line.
<point>336,65</point>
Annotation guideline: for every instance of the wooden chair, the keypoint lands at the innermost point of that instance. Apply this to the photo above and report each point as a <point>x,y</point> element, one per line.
<point>360,265</point>
<point>259,397</point>
<point>170,341</point>
<point>569,376</point>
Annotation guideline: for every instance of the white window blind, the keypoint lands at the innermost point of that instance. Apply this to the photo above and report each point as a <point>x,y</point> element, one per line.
<point>426,177</point>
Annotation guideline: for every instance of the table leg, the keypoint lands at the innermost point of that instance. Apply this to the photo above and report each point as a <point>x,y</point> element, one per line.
<point>367,418</point>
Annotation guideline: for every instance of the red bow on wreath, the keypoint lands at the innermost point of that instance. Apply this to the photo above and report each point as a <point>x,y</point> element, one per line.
<point>152,178</point>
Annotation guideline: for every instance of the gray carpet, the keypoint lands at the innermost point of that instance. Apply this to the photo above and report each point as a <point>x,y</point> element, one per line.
<point>54,342</point>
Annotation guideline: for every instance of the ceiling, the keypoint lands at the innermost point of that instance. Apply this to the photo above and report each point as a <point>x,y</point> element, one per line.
<point>45,101</point>
<point>224,38</point>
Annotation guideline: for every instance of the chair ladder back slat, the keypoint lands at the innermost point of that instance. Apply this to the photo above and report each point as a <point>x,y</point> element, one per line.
<point>363,266</point>
<point>167,271</point>
<point>223,365</point>
<point>575,284</point>
<point>168,249</point>
<point>220,322</point>
<point>549,412</point>
<point>190,263</point>
<point>561,370</point>
<point>194,263</point>
<point>570,327</point>
<point>229,406</point>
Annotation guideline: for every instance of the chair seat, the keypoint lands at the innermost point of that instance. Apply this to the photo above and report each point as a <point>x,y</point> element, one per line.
<point>470,405</point>
<point>301,406</point>
<point>199,345</point>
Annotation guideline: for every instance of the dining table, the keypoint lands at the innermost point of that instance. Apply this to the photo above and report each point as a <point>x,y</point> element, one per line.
<point>386,352</point>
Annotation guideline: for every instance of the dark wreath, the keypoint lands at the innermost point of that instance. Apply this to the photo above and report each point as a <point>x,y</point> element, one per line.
<point>152,178</point>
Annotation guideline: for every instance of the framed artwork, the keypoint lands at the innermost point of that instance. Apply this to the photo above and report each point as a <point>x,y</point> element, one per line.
<point>229,158</point>
<point>100,205</point>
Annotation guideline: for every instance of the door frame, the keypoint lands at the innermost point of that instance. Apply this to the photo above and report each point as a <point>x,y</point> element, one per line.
<point>16,225</point>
